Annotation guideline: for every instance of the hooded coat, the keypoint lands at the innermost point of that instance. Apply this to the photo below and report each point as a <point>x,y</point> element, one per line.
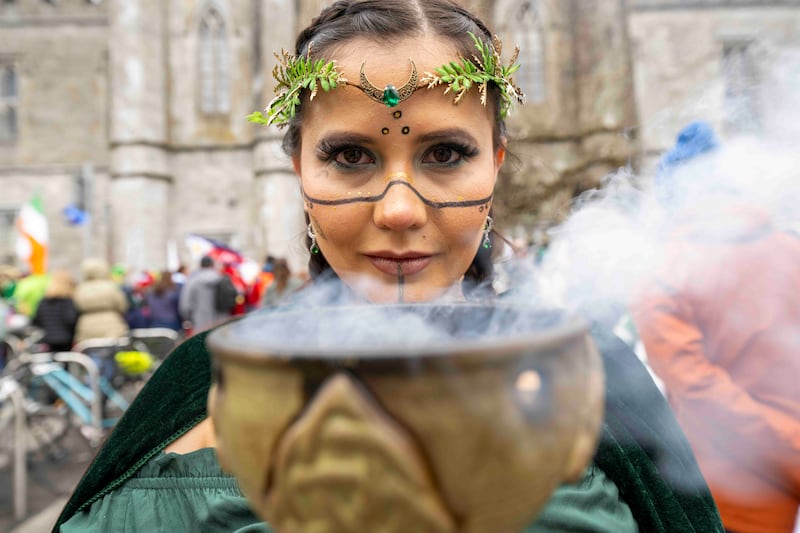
<point>721,326</point>
<point>100,302</point>
<point>197,300</point>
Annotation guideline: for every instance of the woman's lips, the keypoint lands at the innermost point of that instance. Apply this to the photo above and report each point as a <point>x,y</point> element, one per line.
<point>408,265</point>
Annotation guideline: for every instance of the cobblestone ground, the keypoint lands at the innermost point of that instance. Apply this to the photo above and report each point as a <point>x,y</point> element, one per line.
<point>49,478</point>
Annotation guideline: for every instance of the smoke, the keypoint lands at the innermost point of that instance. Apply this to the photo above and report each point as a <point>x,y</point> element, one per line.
<point>617,236</point>
<point>327,320</point>
<point>617,242</point>
<point>717,238</point>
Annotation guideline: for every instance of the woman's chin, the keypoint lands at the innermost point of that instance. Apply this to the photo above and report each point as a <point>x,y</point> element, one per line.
<point>385,293</point>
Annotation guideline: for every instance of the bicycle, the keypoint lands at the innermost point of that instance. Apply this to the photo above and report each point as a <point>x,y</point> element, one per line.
<point>12,398</point>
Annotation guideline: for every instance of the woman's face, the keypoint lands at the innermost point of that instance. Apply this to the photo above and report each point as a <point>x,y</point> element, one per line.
<point>397,197</point>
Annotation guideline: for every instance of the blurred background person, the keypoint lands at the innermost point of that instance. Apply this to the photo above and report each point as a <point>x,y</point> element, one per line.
<point>162,300</point>
<point>138,314</point>
<point>101,303</point>
<point>255,292</point>
<point>282,286</point>
<point>198,298</point>
<point>720,322</point>
<point>179,276</point>
<point>8,281</point>
<point>28,292</point>
<point>239,307</point>
<point>56,314</point>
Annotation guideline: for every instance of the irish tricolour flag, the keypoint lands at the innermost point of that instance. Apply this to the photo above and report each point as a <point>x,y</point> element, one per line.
<point>33,236</point>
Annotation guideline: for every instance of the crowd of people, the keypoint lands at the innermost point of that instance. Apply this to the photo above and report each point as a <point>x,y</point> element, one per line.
<point>106,302</point>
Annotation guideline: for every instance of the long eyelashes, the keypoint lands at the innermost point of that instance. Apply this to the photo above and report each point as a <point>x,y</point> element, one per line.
<point>351,156</point>
<point>464,152</point>
<point>327,150</point>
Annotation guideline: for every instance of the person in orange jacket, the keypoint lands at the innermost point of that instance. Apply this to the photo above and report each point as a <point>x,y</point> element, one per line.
<point>255,291</point>
<point>721,325</point>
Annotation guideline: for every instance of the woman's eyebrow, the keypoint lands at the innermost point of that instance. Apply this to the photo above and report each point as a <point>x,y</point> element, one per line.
<point>338,138</point>
<point>449,134</point>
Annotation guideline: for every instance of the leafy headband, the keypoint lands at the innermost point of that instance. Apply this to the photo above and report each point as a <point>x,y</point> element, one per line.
<point>295,74</point>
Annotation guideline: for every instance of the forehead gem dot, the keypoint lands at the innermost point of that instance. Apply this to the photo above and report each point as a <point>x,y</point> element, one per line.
<point>405,130</point>
<point>397,114</point>
<point>385,131</point>
<point>390,96</point>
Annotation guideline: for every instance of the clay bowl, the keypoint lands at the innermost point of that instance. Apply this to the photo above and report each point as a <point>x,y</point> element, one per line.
<point>405,417</point>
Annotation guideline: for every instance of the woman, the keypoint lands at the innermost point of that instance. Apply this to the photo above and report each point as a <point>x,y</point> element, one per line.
<point>56,314</point>
<point>282,286</point>
<point>101,303</point>
<point>397,189</point>
<point>162,300</point>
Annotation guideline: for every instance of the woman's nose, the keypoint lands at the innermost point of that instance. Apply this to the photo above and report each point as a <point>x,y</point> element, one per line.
<point>400,209</point>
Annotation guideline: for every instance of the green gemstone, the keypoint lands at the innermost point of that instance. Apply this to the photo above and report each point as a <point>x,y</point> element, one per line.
<point>390,96</point>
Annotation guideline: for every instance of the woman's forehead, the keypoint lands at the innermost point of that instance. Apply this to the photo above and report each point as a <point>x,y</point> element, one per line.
<point>389,62</point>
<point>425,112</point>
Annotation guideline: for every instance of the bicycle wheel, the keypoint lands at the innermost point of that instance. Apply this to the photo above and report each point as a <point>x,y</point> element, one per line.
<point>46,426</point>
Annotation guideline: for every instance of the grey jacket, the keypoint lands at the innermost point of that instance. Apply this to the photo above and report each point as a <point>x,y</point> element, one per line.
<point>197,300</point>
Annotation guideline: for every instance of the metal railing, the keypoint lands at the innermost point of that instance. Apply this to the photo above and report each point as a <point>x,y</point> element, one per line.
<point>10,390</point>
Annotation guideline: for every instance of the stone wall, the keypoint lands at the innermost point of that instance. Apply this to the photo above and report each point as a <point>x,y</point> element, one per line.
<point>61,57</point>
<point>55,185</point>
<point>62,63</point>
<point>567,141</point>
<point>680,79</point>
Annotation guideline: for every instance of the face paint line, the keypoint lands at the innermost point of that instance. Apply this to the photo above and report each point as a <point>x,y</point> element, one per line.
<point>379,197</point>
<point>401,281</point>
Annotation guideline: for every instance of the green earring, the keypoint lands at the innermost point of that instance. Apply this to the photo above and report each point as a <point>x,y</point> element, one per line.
<point>314,249</point>
<point>487,230</point>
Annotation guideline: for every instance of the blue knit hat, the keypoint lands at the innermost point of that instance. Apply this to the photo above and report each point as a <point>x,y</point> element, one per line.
<point>694,139</point>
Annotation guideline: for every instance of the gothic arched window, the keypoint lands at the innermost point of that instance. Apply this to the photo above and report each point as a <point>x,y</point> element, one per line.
<point>526,32</point>
<point>8,102</point>
<point>214,67</point>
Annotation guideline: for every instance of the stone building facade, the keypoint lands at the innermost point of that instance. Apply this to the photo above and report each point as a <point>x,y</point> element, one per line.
<point>137,107</point>
<point>724,61</point>
<point>573,129</point>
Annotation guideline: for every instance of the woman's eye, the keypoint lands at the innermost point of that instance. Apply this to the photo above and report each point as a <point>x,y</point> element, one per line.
<point>445,155</point>
<point>353,156</point>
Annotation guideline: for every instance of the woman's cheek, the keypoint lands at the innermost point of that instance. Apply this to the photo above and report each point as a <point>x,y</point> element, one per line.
<point>462,228</point>
<point>338,225</point>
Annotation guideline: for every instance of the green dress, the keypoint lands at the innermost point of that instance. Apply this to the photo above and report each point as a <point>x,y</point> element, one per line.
<point>643,476</point>
<point>189,492</point>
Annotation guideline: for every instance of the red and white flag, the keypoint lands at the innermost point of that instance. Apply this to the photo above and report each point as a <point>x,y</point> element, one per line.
<point>221,253</point>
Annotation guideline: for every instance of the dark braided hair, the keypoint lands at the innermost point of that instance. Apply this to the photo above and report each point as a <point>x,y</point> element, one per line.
<point>388,21</point>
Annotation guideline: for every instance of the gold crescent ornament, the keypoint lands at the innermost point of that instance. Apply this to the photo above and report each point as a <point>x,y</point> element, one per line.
<point>389,95</point>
